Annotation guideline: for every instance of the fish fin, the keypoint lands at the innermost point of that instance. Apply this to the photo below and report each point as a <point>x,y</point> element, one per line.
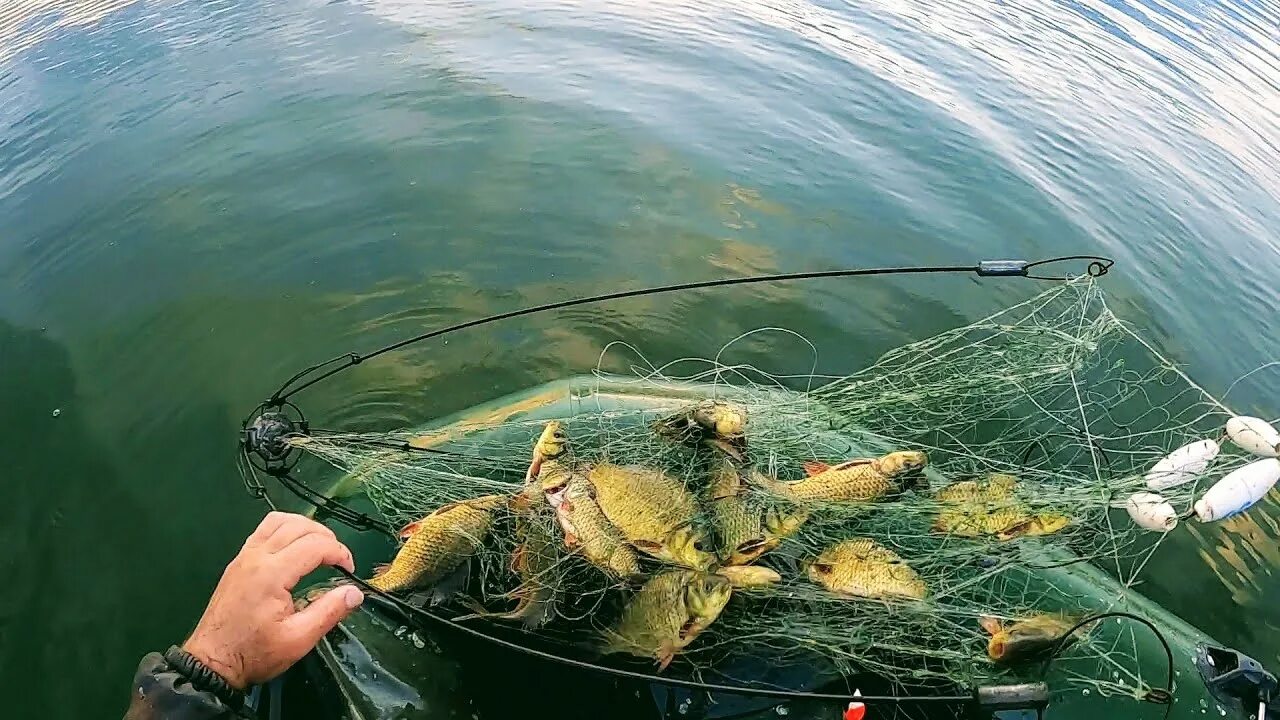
<point>729,448</point>
<point>854,462</point>
<point>570,540</point>
<point>990,624</point>
<point>452,584</point>
<point>647,545</point>
<point>666,654</point>
<point>477,610</point>
<point>408,531</point>
<point>517,558</point>
<point>688,632</point>
<point>381,569</point>
<point>535,467</point>
<point>520,502</point>
<point>1014,531</point>
<point>814,467</point>
<point>419,599</point>
<point>751,546</point>
<point>443,509</point>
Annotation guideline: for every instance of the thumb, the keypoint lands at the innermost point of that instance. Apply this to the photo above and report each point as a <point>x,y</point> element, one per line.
<point>311,623</point>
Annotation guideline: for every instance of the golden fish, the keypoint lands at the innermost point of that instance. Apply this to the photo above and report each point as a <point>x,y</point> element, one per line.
<point>714,423</point>
<point>654,511</point>
<point>993,488</point>
<point>668,613</point>
<point>535,560</point>
<point>974,508</point>
<point>745,531</point>
<point>862,568</point>
<point>1029,639</point>
<point>860,480</point>
<point>586,528</point>
<point>438,543</point>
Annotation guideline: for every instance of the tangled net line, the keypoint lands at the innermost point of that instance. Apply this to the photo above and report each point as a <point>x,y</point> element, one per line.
<point>1055,391</point>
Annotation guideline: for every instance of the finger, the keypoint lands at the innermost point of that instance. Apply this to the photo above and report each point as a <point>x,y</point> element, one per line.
<point>308,625</point>
<point>269,524</point>
<point>293,528</point>
<point>310,552</point>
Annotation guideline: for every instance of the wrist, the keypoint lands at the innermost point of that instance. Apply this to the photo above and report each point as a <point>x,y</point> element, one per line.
<point>225,667</point>
<point>203,678</point>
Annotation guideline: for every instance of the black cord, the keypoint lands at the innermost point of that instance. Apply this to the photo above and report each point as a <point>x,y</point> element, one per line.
<point>410,612</point>
<point>1166,698</point>
<point>1098,266</point>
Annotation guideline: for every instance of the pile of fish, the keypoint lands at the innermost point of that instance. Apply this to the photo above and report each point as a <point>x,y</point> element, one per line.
<point>681,553</point>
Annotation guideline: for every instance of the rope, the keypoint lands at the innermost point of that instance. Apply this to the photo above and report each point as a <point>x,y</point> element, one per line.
<point>1097,267</point>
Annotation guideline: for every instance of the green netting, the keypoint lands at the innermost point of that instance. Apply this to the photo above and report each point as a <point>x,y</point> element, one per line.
<point>1055,391</point>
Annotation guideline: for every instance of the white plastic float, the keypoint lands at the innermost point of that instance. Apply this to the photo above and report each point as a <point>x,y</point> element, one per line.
<point>1238,491</point>
<point>1151,511</point>
<point>1254,435</point>
<point>1182,465</point>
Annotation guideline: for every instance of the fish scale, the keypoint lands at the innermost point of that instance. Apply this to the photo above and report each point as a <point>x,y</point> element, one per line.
<point>736,522</point>
<point>668,612</point>
<point>972,508</point>
<point>860,480</point>
<point>439,544</point>
<point>535,561</point>
<point>585,524</point>
<point>653,510</point>
<point>862,568</point>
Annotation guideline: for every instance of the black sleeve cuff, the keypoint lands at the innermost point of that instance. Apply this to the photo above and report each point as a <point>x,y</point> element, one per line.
<point>163,692</point>
<point>203,677</point>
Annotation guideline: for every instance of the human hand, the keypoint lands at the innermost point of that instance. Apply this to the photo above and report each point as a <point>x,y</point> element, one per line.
<point>251,632</point>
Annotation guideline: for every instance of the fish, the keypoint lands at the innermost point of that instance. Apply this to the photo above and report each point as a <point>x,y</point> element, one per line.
<point>437,544</point>
<point>1028,639</point>
<point>667,614</point>
<point>746,531</point>
<point>534,559</point>
<point>654,512</point>
<point>568,491</point>
<point>712,423</point>
<point>749,576</point>
<point>988,506</point>
<point>992,488</point>
<point>858,480</point>
<point>861,568</point>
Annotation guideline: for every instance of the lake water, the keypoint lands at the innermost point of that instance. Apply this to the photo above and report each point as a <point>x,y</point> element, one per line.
<point>199,198</point>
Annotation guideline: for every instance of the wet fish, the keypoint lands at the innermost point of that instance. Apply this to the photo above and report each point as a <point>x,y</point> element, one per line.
<point>974,508</point>
<point>746,531</point>
<point>859,480</point>
<point>668,613</point>
<point>586,528</point>
<point>713,423</point>
<point>1029,639</point>
<point>654,512</point>
<point>535,560</point>
<point>992,488</point>
<point>862,568</point>
<point>438,543</point>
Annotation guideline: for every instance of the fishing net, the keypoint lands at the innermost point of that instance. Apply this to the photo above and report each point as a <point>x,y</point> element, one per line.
<point>1056,392</point>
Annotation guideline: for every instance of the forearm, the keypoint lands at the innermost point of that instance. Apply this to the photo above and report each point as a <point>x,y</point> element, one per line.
<point>162,692</point>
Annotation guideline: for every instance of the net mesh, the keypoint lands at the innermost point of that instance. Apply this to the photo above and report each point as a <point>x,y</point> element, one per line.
<point>1055,391</point>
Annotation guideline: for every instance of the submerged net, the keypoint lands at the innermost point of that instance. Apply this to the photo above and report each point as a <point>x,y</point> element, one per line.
<point>1055,391</point>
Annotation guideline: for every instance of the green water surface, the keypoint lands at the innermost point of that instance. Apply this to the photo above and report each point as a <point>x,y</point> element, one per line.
<point>199,198</point>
